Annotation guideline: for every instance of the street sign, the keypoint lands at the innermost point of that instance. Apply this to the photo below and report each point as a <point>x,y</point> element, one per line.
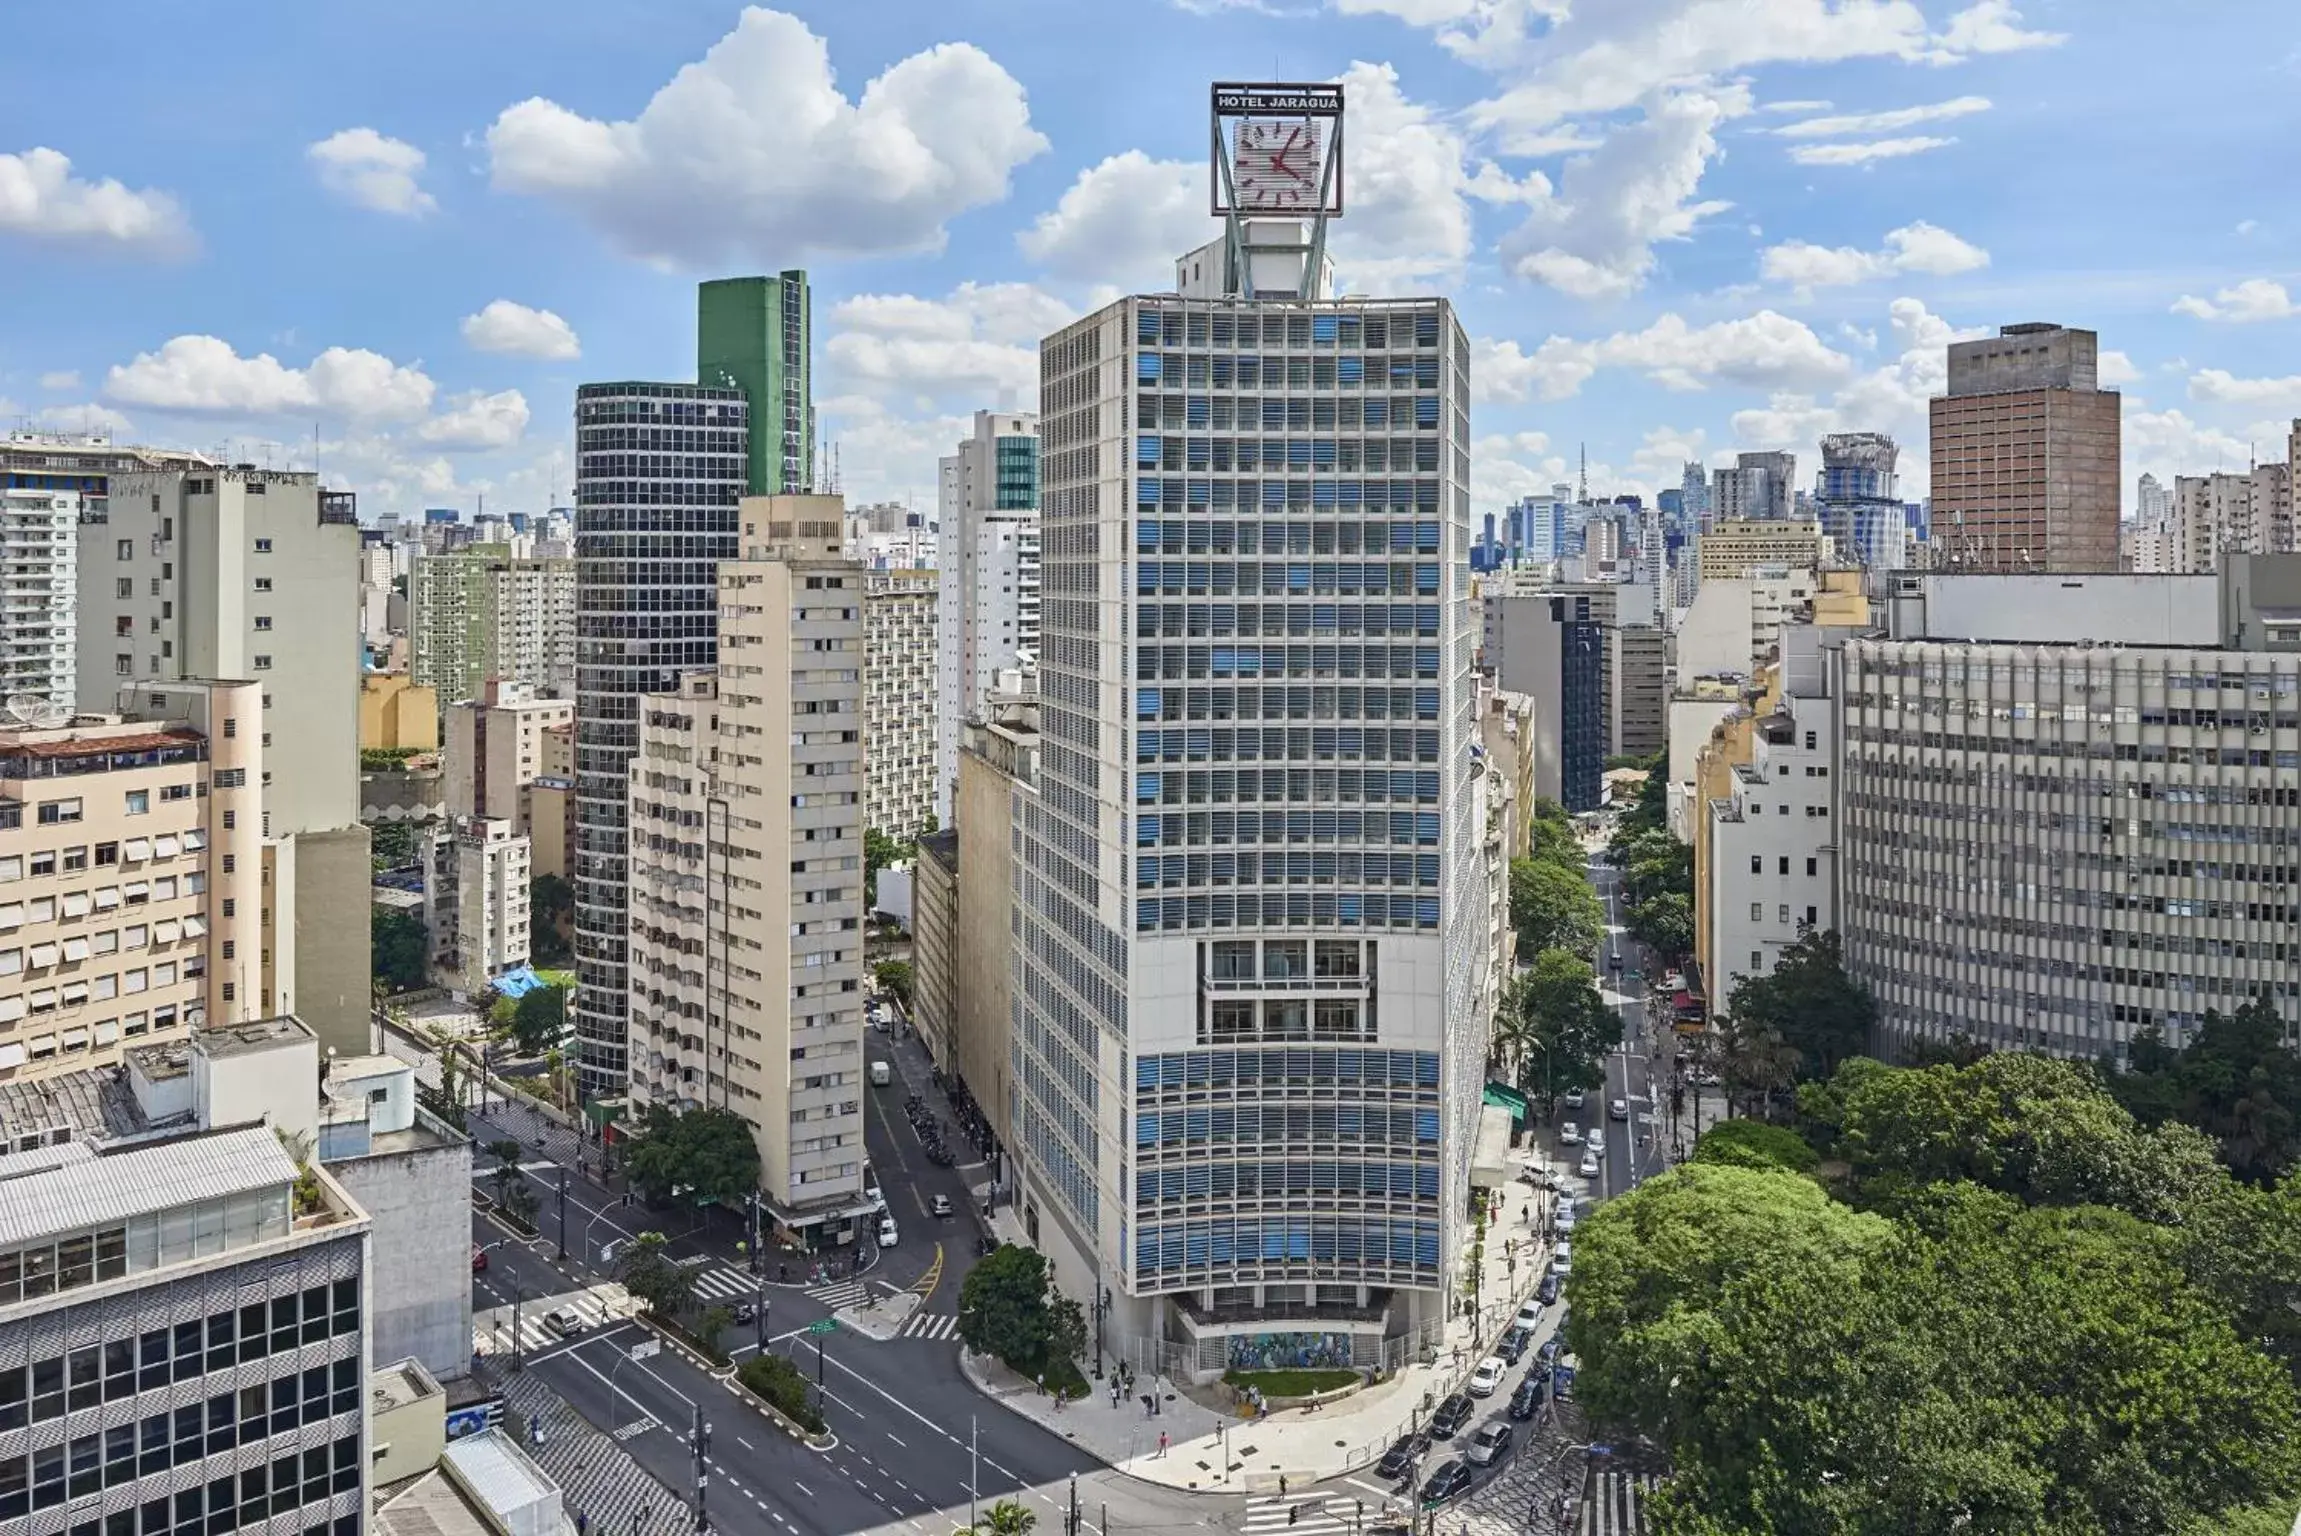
<point>824,1325</point>
<point>647,1349</point>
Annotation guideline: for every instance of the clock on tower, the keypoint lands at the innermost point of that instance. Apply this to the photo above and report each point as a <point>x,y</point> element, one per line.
<point>1275,165</point>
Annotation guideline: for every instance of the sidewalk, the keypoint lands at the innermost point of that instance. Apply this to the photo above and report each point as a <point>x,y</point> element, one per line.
<point>1207,1453</point>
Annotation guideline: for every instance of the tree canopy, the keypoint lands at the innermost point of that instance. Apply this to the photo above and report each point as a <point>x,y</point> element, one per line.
<point>895,976</point>
<point>1006,1308</point>
<point>399,947</point>
<point>1810,1003</point>
<point>644,1267</point>
<point>539,1019</point>
<point>1553,907</point>
<point>1975,1364</point>
<point>704,1154</point>
<point>2236,1080</point>
<point>1755,1144</point>
<point>1552,1026</point>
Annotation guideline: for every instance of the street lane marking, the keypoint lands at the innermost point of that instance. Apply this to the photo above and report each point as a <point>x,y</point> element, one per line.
<point>805,1492</point>
<point>890,1434</point>
<point>1382,1493</point>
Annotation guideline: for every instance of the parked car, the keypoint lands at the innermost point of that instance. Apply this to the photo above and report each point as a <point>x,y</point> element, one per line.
<point>1529,1316</point>
<point>1574,1098</point>
<point>1562,1261</point>
<point>1570,1134</point>
<point>1491,1443</point>
<point>1551,1348</point>
<point>1451,1416</point>
<point>1402,1455</point>
<point>1618,1109</point>
<point>1445,1483</point>
<point>563,1323</point>
<point>1514,1344</point>
<point>1562,1379</point>
<point>1567,1216</point>
<point>888,1235</point>
<point>478,1258</point>
<point>1488,1376</point>
<point>1588,1167</point>
<point>939,1205</point>
<point>1547,1291</point>
<point>1527,1400</point>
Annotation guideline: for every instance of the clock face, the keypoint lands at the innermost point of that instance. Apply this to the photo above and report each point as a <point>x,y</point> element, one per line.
<point>1275,164</point>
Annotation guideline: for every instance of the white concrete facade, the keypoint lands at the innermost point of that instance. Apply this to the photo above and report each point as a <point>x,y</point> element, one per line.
<point>987,614</point>
<point>39,593</point>
<point>899,703</point>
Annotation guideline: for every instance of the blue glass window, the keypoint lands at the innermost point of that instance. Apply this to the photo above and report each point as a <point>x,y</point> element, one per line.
<point>1146,367</point>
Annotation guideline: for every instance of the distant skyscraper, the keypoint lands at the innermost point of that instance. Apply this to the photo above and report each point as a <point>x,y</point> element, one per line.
<point>1694,488</point>
<point>2025,455</point>
<point>987,614</point>
<point>1858,505</point>
<point>753,334</point>
<point>1760,485</point>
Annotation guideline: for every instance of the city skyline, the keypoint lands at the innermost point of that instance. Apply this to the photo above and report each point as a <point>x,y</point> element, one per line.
<point>1759,269</point>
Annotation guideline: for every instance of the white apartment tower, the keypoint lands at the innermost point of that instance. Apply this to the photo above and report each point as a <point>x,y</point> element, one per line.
<point>746,898</point>
<point>1253,903</point>
<point>899,620</point>
<point>39,537</point>
<point>233,572</point>
<point>987,615</point>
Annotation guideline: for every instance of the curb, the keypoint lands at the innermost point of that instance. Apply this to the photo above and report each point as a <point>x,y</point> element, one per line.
<point>823,1446</point>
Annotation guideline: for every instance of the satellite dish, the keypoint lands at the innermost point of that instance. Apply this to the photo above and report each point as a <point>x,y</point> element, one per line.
<point>37,710</point>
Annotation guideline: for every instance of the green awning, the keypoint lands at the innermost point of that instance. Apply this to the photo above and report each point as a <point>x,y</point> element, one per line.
<point>1503,1096</point>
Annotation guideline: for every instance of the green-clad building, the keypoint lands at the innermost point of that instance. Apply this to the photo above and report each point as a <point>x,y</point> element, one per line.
<point>754,334</point>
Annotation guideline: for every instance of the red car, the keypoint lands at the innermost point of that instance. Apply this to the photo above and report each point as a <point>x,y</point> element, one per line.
<point>478,1258</point>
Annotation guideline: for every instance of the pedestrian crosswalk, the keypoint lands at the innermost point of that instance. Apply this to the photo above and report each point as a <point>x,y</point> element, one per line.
<point>1308,1515</point>
<point>930,1326</point>
<point>1616,1503</point>
<point>600,1306</point>
<point>846,1293</point>
<point>726,1284</point>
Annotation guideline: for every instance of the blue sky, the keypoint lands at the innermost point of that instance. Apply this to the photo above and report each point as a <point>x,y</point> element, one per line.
<point>1675,227</point>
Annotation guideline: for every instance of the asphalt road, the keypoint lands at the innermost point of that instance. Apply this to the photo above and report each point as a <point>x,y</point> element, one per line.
<point>914,1435</point>
<point>1631,1074</point>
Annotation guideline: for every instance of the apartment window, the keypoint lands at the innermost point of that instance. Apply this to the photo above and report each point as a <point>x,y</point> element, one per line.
<point>235,778</point>
<point>1813,866</point>
<point>75,858</point>
<point>1811,916</point>
<point>263,663</point>
<point>263,546</point>
<point>1757,961</point>
<point>107,853</point>
<point>1809,741</point>
<point>1757,864</point>
<point>231,725</point>
<point>126,550</point>
<point>1784,919</point>
<point>263,583</point>
<point>1757,911</point>
<point>56,812</point>
<point>139,802</point>
<point>124,666</point>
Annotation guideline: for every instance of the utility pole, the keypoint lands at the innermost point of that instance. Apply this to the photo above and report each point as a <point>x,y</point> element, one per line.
<point>1072,1527</point>
<point>702,1477</point>
<point>518,1292</point>
<point>563,1213</point>
<point>760,1296</point>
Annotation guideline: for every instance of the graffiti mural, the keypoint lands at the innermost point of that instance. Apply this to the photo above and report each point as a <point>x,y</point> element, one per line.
<point>1289,1351</point>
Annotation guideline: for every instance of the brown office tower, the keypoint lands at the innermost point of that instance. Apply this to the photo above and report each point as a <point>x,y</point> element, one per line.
<point>2025,455</point>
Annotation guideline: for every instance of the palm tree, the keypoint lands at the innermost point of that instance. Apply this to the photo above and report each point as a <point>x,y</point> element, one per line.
<point>1005,1518</point>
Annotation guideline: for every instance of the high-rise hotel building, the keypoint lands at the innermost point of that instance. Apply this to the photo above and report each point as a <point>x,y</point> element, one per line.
<point>1251,898</point>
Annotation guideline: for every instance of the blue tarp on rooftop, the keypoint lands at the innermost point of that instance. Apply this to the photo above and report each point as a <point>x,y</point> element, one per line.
<point>517,982</point>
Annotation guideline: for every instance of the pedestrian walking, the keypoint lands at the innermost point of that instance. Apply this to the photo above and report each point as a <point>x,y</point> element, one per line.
<point>1162,1442</point>
<point>1042,1383</point>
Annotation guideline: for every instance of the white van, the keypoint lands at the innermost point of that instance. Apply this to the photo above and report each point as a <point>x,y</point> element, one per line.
<point>881,1074</point>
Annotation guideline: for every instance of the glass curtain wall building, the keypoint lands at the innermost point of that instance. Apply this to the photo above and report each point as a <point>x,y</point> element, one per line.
<point>1859,505</point>
<point>1249,900</point>
<point>660,469</point>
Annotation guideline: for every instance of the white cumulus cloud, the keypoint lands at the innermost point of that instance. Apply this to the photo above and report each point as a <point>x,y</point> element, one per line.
<point>1765,350</point>
<point>477,423</point>
<point>41,200</point>
<point>2114,368</point>
<point>1868,152</point>
<point>203,375</point>
<point>2218,386</point>
<point>518,331</point>
<point>979,346</point>
<point>62,378</point>
<point>753,153</point>
<point>1918,247</point>
<point>1992,26</point>
<point>2255,299</point>
<point>1595,236</point>
<point>372,170</point>
<point>1127,217</point>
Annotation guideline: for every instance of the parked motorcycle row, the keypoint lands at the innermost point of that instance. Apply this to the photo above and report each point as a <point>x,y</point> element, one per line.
<point>929,1127</point>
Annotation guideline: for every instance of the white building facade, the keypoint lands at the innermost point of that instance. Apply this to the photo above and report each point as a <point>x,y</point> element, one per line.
<point>1254,908</point>
<point>899,685</point>
<point>39,593</point>
<point>987,616</point>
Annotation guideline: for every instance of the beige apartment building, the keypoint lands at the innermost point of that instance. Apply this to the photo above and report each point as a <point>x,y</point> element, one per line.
<point>2024,449</point>
<point>397,716</point>
<point>899,701</point>
<point>551,803</point>
<point>1733,545</point>
<point>240,572</point>
<point>746,874</point>
<point>476,902</point>
<point>498,744</point>
<point>131,866</point>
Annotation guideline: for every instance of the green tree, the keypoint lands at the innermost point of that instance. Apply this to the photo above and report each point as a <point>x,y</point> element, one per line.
<point>644,1267</point>
<point>539,1019</point>
<point>1004,1308</point>
<point>895,976</point>
<point>704,1155</point>
<point>776,1380</point>
<point>2237,1080</point>
<point>512,1192</point>
<point>551,904</point>
<point>879,851</point>
<point>1553,907</point>
<point>1006,1518</point>
<point>1811,1003</point>
<point>1562,1028</point>
<point>1755,1144</point>
<point>1754,1062</point>
<point>391,844</point>
<point>1552,835</point>
<point>399,946</point>
<point>1066,1328</point>
<point>1664,923</point>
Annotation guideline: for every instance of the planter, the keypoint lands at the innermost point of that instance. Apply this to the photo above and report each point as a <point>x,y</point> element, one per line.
<point>774,1415</point>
